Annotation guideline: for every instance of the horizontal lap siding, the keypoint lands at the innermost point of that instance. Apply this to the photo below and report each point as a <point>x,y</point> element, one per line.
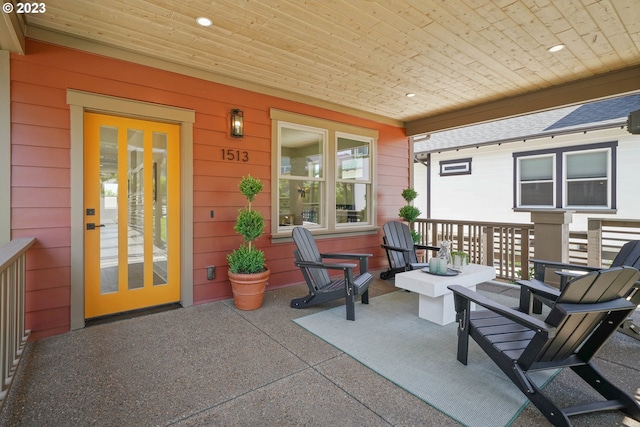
<point>41,169</point>
<point>40,197</point>
<point>393,166</point>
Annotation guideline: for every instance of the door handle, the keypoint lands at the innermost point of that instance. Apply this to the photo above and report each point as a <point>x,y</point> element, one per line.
<point>92,226</point>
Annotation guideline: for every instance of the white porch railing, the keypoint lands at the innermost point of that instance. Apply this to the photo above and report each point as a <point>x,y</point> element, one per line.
<point>13,335</point>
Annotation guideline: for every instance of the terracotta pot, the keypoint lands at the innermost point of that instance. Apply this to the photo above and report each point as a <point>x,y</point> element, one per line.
<point>421,254</point>
<point>248,289</point>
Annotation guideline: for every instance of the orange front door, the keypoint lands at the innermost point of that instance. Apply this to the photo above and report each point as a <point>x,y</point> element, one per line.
<point>132,214</point>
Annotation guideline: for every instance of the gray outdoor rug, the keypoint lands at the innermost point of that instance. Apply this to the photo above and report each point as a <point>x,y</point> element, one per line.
<point>420,356</point>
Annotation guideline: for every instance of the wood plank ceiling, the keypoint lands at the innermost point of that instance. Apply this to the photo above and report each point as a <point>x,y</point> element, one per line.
<point>366,55</point>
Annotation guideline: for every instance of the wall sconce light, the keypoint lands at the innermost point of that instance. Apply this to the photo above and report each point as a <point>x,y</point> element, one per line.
<point>237,123</point>
<point>303,192</point>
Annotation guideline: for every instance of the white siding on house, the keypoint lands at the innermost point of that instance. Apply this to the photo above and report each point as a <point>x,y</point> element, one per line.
<point>487,194</point>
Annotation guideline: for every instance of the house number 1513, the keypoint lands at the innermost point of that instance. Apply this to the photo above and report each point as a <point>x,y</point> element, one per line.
<point>232,155</point>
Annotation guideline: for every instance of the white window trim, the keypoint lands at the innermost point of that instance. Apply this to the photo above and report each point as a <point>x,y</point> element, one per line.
<point>553,181</point>
<point>369,182</point>
<point>565,180</point>
<point>323,179</point>
<point>330,174</point>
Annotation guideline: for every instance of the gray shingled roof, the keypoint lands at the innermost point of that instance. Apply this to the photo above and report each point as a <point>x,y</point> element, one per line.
<point>599,114</point>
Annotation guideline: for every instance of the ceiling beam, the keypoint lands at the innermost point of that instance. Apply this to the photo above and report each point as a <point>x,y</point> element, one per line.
<point>598,87</point>
<point>12,32</point>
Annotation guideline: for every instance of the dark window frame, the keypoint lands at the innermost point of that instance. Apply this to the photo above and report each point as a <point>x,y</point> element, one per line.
<point>466,171</point>
<point>559,181</point>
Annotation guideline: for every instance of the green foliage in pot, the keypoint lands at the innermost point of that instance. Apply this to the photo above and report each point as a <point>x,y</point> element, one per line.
<point>248,259</point>
<point>409,212</point>
<point>249,225</point>
<point>461,254</point>
<point>409,194</point>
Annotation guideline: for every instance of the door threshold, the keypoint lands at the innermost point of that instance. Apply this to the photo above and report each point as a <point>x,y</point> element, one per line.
<point>130,314</point>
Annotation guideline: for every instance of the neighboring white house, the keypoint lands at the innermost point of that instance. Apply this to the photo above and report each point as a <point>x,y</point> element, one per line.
<point>580,158</point>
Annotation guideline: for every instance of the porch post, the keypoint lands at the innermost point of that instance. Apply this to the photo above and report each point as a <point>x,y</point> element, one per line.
<point>594,241</point>
<point>551,237</point>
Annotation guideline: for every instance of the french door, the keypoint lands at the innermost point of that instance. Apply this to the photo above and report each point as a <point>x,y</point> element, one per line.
<point>132,214</point>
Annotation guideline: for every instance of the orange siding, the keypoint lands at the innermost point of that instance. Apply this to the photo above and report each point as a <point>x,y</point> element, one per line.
<point>41,161</point>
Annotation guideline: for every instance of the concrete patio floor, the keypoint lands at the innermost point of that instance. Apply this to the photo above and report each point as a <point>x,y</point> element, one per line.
<point>215,365</point>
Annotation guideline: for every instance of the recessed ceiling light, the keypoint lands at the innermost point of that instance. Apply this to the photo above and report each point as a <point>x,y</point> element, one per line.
<point>410,95</point>
<point>205,22</point>
<point>556,48</point>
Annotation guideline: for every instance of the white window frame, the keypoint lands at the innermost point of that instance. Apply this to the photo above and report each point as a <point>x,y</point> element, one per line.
<point>280,118</point>
<point>553,181</point>
<point>368,182</point>
<point>322,214</point>
<point>566,180</point>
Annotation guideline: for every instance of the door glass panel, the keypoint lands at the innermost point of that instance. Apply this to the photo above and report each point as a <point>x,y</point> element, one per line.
<point>108,209</point>
<point>160,211</point>
<point>135,231</point>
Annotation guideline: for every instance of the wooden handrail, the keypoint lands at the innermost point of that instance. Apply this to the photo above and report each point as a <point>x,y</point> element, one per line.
<point>14,249</point>
<point>605,237</point>
<point>499,244</point>
<point>13,334</point>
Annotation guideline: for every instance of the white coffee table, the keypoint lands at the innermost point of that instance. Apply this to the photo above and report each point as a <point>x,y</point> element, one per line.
<point>435,300</point>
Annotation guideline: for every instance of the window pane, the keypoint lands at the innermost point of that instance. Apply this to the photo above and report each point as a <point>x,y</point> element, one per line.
<point>300,202</point>
<point>536,194</point>
<point>587,165</point>
<point>539,168</point>
<point>351,202</point>
<point>587,193</point>
<point>353,159</point>
<point>301,152</point>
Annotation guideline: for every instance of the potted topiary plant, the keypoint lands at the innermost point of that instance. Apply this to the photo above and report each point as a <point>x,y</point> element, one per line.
<point>248,273</point>
<point>410,213</point>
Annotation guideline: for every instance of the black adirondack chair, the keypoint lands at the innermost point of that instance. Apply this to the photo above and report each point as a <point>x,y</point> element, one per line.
<point>401,251</point>
<point>322,287</point>
<point>586,313</point>
<point>534,292</point>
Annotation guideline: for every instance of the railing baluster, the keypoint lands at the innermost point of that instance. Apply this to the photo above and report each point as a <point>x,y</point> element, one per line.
<point>3,328</point>
<point>524,254</point>
<point>486,243</point>
<point>509,246</point>
<point>13,335</point>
